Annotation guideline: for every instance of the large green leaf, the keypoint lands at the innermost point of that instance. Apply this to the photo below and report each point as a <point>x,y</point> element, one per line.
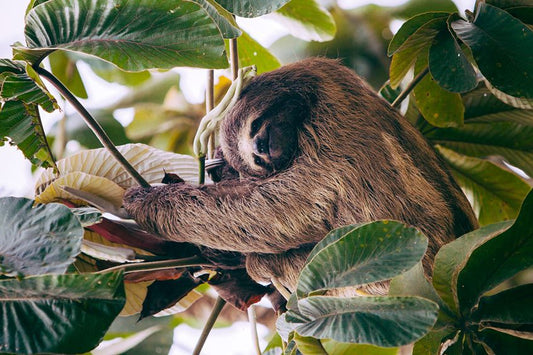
<point>37,240</point>
<point>134,35</point>
<point>381,321</point>
<point>498,259</point>
<point>495,194</point>
<point>408,52</point>
<point>448,64</point>
<point>108,71</point>
<point>510,308</point>
<point>307,20</point>
<point>363,254</point>
<point>415,7</point>
<point>438,106</point>
<point>501,45</point>
<point>451,258</point>
<point>502,343</point>
<point>58,313</point>
<point>505,138</point>
<point>333,347</point>
<point>251,8</point>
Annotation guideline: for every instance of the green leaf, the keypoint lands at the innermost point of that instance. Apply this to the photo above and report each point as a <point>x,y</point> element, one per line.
<point>251,8</point>
<point>87,215</point>
<point>333,347</point>
<point>308,345</point>
<point>495,194</point>
<point>307,20</point>
<point>523,13</point>
<point>415,7</point>
<point>509,308</point>
<point>134,35</point>
<point>505,4</point>
<point>65,69</point>
<point>225,21</point>
<point>17,85</point>
<point>438,106</point>
<point>406,55</point>
<point>381,321</point>
<point>498,259</point>
<point>518,102</point>
<point>501,46</point>
<point>414,283</point>
<point>37,240</point>
<point>58,313</point>
<point>22,124</point>
<point>448,64</point>
<point>110,72</point>
<point>409,28</point>
<point>491,128</point>
<point>451,258</point>
<point>502,343</point>
<point>431,342</point>
<point>368,253</point>
<point>252,53</point>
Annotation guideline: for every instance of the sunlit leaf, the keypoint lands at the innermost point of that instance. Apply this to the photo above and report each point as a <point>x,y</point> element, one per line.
<point>71,312</point>
<point>37,240</point>
<point>151,163</point>
<point>307,20</point>
<point>134,35</point>
<point>135,296</point>
<point>333,347</point>
<point>95,185</point>
<point>405,56</point>
<point>409,28</point>
<point>501,46</point>
<point>253,53</point>
<point>65,70</point>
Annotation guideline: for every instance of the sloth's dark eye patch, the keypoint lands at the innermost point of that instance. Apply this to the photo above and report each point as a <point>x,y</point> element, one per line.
<point>256,125</point>
<point>258,161</point>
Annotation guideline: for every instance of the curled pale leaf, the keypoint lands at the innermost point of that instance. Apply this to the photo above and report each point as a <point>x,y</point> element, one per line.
<point>95,185</point>
<point>150,162</point>
<point>135,296</point>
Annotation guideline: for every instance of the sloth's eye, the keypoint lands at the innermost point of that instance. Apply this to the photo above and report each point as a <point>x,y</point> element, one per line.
<point>258,161</point>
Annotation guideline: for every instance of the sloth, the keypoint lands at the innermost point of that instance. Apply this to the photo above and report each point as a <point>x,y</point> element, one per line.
<point>307,148</point>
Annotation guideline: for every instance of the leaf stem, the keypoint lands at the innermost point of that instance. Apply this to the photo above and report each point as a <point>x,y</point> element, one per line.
<point>217,308</point>
<point>93,125</point>
<point>410,87</point>
<point>234,58</point>
<point>253,326</point>
<point>158,265</point>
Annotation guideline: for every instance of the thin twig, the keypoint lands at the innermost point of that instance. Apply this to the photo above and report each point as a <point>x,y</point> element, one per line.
<point>209,105</point>
<point>217,308</point>
<point>253,326</point>
<point>158,265</point>
<point>93,125</point>
<point>234,58</point>
<point>410,87</point>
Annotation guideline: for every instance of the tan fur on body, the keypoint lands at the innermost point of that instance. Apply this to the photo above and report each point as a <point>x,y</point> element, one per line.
<point>357,160</point>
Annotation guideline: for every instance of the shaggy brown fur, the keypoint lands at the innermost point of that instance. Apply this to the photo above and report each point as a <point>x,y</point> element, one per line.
<point>357,159</point>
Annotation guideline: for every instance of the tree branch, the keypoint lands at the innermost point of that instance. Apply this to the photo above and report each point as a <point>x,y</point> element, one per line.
<point>217,308</point>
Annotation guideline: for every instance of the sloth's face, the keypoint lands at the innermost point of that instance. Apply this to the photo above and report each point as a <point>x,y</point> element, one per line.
<point>267,144</point>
